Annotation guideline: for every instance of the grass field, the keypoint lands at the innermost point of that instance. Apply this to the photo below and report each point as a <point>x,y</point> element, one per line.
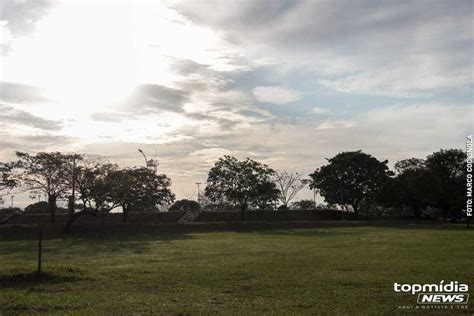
<point>322,270</point>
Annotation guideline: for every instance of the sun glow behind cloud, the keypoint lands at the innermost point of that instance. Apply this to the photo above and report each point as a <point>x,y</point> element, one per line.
<point>89,57</point>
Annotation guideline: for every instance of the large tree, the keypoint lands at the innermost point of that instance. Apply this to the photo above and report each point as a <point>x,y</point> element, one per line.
<point>412,185</point>
<point>95,187</point>
<point>140,188</point>
<point>45,173</point>
<point>351,178</point>
<point>238,182</point>
<point>265,196</point>
<point>448,170</point>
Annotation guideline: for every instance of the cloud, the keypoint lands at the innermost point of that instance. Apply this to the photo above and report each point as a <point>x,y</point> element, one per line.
<point>152,97</point>
<point>19,17</point>
<point>335,125</point>
<point>276,95</point>
<point>394,49</point>
<point>21,93</point>
<point>318,110</point>
<point>109,116</point>
<point>17,117</point>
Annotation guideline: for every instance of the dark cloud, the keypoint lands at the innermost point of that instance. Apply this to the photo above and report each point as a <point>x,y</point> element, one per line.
<point>42,142</point>
<point>12,116</point>
<point>395,48</point>
<point>150,97</point>
<point>20,93</point>
<point>45,140</point>
<point>312,23</point>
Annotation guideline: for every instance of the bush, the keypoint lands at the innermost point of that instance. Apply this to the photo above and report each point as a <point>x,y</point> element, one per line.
<point>185,205</point>
<point>302,205</point>
<point>9,210</point>
<point>37,208</point>
<point>220,207</point>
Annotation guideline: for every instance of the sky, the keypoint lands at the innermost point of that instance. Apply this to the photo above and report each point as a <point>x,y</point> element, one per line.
<point>288,83</point>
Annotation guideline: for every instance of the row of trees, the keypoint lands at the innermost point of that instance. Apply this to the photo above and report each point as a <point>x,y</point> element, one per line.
<point>354,180</point>
<point>91,184</point>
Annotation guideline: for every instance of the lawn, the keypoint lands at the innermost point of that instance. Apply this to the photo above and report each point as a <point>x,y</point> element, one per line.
<point>244,270</point>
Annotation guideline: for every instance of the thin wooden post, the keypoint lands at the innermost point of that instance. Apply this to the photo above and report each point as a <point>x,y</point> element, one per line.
<point>40,239</point>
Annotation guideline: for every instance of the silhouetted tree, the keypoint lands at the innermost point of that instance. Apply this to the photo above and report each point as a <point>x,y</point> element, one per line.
<point>289,184</point>
<point>95,188</point>
<point>413,185</point>
<point>237,181</point>
<point>448,170</point>
<point>350,178</point>
<point>266,194</point>
<point>6,179</point>
<point>139,188</point>
<point>46,173</point>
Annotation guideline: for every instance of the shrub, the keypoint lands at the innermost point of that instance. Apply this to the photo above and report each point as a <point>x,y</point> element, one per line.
<point>185,205</point>
<point>37,208</point>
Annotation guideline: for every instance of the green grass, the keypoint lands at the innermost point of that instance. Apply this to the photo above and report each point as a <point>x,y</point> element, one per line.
<point>328,270</point>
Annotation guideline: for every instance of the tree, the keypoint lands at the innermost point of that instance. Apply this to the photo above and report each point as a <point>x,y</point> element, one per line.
<point>412,185</point>
<point>288,184</point>
<point>237,181</point>
<point>95,187</point>
<point>185,205</point>
<point>350,178</point>
<point>140,188</point>
<point>6,179</point>
<point>448,170</point>
<point>46,173</point>
<point>265,195</point>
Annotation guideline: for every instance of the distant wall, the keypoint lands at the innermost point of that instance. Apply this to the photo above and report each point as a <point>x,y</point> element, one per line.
<point>288,215</point>
<point>112,218</point>
<point>206,216</point>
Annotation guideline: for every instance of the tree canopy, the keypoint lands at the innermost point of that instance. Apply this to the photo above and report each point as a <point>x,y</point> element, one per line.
<point>46,173</point>
<point>140,188</point>
<point>240,182</point>
<point>6,179</point>
<point>351,178</point>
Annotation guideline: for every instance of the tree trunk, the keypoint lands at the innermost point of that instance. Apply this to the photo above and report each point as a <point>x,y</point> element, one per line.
<point>356,210</point>
<point>52,207</point>
<point>102,223</point>
<point>124,214</point>
<point>416,211</point>
<point>242,208</point>
<point>72,218</point>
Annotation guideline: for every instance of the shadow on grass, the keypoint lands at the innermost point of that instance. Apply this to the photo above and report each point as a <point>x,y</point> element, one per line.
<point>90,244</point>
<point>30,279</point>
<point>172,231</point>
